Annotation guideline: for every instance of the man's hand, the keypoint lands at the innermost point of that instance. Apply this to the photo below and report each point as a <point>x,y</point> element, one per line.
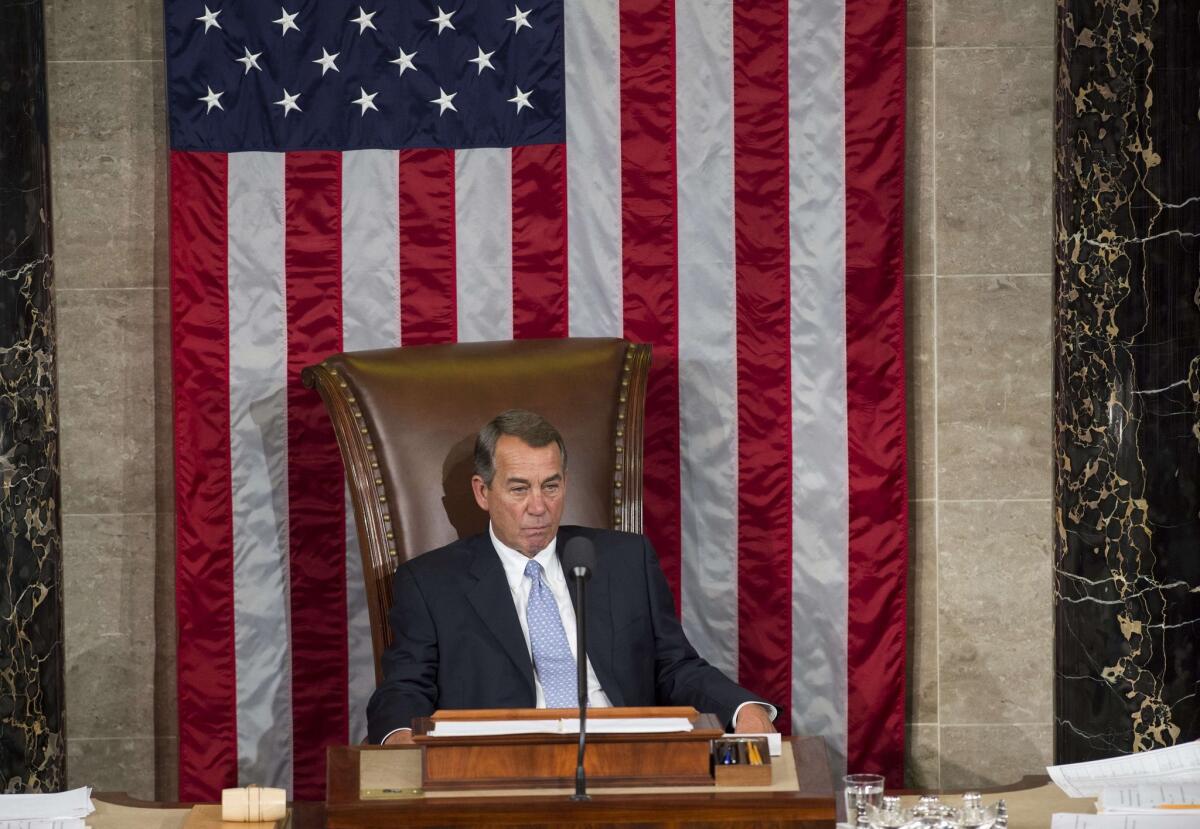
<point>753,719</point>
<point>400,737</point>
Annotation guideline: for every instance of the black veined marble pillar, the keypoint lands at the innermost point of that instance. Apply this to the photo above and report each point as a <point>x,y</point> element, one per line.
<point>1127,377</point>
<point>32,751</point>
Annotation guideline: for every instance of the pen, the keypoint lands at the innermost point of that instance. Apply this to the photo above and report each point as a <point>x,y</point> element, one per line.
<point>727,757</point>
<point>1179,806</point>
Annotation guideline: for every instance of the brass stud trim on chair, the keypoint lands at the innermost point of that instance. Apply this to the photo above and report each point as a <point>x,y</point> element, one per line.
<point>373,460</point>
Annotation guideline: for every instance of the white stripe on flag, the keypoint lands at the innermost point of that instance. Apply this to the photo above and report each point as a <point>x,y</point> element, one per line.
<point>819,461</point>
<point>370,319</point>
<point>258,456</point>
<point>483,216</point>
<point>707,332</point>
<point>591,36</point>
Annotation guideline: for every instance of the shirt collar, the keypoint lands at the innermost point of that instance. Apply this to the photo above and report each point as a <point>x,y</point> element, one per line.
<point>514,561</point>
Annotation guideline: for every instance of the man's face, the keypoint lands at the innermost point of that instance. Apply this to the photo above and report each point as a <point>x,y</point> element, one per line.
<point>525,499</point>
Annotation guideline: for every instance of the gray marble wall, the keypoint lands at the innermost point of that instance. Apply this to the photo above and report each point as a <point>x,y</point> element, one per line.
<point>981,82</point>
<point>108,151</point>
<point>979,265</point>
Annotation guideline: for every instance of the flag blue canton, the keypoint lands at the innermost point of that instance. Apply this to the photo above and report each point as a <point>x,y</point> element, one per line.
<point>333,75</point>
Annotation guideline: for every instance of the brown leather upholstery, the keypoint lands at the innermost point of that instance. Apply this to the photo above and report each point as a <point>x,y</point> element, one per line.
<point>406,420</point>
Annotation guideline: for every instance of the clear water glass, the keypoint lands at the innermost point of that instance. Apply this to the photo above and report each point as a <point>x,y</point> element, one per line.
<point>861,792</point>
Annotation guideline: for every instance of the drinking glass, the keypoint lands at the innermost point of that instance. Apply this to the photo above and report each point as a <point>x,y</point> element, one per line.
<point>861,791</point>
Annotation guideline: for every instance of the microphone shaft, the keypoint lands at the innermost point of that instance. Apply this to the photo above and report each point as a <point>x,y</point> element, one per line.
<point>581,680</point>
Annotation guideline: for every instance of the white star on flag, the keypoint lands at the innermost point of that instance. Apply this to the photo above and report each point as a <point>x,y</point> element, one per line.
<point>366,101</point>
<point>521,99</point>
<point>288,103</point>
<point>445,101</point>
<point>213,99</point>
<point>483,60</point>
<point>327,61</point>
<point>405,60</point>
<point>250,61</point>
<point>286,21</point>
<point>519,19</point>
<point>443,20</point>
<point>364,20</point>
<point>209,19</point>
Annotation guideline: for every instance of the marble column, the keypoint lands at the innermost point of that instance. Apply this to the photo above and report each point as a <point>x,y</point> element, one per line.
<point>32,751</point>
<point>1127,377</point>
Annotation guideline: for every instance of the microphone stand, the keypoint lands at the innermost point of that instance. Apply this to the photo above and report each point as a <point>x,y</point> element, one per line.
<point>580,574</point>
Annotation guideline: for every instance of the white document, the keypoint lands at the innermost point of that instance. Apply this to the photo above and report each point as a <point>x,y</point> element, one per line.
<point>1176,764</point>
<point>1181,798</point>
<point>40,823</point>
<point>614,725</point>
<point>76,803</point>
<point>1123,822</point>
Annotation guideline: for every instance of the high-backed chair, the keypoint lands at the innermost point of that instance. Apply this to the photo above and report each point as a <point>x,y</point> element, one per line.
<point>406,420</point>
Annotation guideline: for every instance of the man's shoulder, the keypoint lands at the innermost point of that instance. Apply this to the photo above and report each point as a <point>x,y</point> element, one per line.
<point>616,536</point>
<point>451,558</point>
<point>606,542</point>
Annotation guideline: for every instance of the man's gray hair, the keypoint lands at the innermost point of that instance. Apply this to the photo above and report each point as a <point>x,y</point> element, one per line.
<point>530,427</point>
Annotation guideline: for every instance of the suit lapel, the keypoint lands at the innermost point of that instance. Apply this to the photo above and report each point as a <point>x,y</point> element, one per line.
<point>599,622</point>
<point>492,600</point>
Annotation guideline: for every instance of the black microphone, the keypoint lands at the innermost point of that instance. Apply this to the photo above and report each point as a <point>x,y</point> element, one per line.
<point>579,559</point>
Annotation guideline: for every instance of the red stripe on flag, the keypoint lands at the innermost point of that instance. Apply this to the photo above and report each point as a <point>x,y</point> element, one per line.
<point>539,240</point>
<point>878,540</point>
<point>317,538</point>
<point>649,239</point>
<point>428,303</point>
<point>762,256</point>
<point>207,671</point>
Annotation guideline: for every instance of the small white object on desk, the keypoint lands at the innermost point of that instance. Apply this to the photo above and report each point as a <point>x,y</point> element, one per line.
<point>253,804</point>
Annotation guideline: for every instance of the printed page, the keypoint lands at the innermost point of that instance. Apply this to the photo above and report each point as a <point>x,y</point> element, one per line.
<point>489,728</point>
<point>1176,797</point>
<point>605,725</point>
<point>1176,764</point>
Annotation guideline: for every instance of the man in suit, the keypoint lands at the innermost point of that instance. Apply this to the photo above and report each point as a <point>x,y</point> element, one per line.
<point>489,621</point>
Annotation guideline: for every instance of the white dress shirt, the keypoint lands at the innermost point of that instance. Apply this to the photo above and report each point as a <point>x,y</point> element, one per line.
<point>519,585</point>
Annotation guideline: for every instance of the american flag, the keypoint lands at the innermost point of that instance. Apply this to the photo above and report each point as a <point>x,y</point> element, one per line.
<point>723,180</point>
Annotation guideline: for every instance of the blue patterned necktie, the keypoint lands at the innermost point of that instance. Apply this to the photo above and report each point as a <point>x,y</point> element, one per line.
<point>551,654</point>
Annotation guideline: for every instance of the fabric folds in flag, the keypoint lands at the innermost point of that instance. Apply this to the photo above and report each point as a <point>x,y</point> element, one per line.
<point>722,180</point>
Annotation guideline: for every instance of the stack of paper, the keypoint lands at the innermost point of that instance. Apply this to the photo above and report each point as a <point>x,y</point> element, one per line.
<point>1123,822</point>
<point>1157,789</point>
<point>63,810</point>
<point>1177,764</point>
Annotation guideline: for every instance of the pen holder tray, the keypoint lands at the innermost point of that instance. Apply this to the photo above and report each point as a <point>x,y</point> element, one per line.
<point>741,761</point>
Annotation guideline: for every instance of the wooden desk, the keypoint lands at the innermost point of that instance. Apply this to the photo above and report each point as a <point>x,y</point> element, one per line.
<point>357,798</point>
<point>1031,803</point>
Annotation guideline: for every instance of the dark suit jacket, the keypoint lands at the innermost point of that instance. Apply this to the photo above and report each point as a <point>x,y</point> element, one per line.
<point>458,641</point>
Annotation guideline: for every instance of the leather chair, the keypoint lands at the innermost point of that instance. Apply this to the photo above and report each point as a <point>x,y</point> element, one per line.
<point>406,420</point>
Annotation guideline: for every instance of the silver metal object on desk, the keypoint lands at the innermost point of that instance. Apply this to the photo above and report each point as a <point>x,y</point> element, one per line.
<point>931,813</point>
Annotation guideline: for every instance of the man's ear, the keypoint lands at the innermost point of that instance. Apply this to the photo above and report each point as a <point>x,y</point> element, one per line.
<point>480,489</point>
